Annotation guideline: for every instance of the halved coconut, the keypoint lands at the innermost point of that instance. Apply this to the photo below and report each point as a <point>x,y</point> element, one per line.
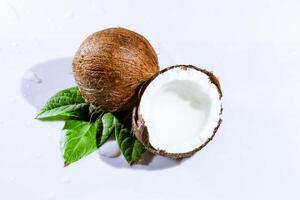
<point>178,111</point>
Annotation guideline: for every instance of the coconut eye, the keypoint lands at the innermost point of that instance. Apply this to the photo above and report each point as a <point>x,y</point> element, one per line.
<point>180,110</point>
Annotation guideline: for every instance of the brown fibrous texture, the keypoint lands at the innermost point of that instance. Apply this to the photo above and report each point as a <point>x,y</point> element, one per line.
<point>140,129</point>
<point>110,65</point>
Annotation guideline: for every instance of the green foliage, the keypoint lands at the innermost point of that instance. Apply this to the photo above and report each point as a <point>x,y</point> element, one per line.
<point>80,140</point>
<point>131,148</point>
<point>64,105</point>
<point>87,127</point>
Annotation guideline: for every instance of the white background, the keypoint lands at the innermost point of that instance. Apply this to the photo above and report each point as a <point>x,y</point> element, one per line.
<point>253,47</point>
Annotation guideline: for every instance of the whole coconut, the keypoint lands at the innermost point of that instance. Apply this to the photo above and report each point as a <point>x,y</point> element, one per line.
<point>110,65</point>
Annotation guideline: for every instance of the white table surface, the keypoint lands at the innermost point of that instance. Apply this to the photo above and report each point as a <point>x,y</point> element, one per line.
<point>254,48</point>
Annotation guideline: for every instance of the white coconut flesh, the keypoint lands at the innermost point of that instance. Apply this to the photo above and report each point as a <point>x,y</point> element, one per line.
<point>181,109</point>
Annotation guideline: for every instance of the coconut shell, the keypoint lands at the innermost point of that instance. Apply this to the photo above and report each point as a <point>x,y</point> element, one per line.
<point>110,65</point>
<point>140,129</point>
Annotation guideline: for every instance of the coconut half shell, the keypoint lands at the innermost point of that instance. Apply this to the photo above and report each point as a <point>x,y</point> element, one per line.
<point>178,111</point>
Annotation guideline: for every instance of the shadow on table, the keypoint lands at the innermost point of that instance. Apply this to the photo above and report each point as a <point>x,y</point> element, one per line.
<point>43,80</point>
<point>147,162</point>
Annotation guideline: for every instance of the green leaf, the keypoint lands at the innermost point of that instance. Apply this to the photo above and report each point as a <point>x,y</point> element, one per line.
<point>80,140</point>
<point>64,105</point>
<point>109,123</point>
<point>131,148</point>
